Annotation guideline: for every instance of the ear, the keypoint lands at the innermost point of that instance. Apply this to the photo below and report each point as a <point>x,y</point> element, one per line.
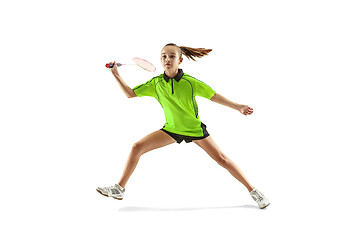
<point>181,59</point>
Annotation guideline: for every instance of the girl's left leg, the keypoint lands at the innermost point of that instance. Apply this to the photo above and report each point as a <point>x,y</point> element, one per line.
<point>214,152</point>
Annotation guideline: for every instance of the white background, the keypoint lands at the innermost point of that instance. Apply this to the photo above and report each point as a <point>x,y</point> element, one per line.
<point>66,127</point>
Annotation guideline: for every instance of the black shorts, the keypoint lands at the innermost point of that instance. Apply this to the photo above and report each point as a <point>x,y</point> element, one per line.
<point>179,138</point>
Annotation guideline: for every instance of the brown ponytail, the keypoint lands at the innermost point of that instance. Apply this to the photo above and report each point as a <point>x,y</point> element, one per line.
<point>191,53</point>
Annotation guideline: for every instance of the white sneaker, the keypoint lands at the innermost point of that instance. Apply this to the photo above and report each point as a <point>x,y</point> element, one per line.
<point>115,191</point>
<point>261,200</point>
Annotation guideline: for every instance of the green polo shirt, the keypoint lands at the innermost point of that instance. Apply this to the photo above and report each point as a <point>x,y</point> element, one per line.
<point>177,98</point>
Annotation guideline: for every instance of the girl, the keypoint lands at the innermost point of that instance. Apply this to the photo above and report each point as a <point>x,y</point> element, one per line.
<point>176,91</point>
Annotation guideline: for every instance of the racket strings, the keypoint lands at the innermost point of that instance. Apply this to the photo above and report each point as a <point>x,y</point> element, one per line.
<point>144,64</point>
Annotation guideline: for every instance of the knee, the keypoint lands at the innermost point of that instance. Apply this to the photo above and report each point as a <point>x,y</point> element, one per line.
<point>138,148</point>
<point>222,159</point>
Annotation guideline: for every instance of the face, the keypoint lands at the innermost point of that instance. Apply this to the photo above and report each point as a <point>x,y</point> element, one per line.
<point>170,58</point>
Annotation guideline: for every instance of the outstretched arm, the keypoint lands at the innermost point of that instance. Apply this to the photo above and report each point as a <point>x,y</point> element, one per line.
<point>124,87</point>
<point>244,109</point>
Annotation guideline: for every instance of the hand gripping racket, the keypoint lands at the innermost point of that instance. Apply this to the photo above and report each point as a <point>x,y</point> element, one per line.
<point>138,61</point>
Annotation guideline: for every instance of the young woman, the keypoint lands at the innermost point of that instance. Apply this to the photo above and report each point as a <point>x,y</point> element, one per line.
<point>176,91</point>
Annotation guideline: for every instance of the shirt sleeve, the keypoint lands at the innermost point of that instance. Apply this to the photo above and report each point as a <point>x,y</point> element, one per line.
<point>203,90</point>
<point>145,89</point>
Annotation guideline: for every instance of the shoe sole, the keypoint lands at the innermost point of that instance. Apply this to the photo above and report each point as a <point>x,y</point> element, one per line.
<point>107,195</point>
<point>265,206</point>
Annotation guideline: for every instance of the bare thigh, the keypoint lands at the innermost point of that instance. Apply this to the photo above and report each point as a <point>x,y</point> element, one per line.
<point>153,141</point>
<point>209,145</point>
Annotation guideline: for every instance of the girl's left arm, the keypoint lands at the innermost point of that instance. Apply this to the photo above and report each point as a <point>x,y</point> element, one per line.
<point>244,109</point>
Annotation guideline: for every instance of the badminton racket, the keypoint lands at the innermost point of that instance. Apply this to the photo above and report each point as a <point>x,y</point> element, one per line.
<point>138,61</point>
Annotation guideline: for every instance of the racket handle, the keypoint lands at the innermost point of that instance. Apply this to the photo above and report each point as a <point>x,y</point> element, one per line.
<point>111,65</point>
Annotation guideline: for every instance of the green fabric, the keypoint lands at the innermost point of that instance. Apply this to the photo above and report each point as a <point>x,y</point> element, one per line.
<point>180,107</point>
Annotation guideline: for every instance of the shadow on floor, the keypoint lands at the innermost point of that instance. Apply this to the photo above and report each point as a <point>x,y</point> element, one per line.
<point>155,209</point>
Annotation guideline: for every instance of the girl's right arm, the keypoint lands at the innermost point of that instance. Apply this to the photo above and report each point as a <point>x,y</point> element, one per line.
<point>129,92</point>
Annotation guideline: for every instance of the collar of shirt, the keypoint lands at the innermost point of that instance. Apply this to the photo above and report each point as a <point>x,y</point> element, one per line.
<point>178,76</point>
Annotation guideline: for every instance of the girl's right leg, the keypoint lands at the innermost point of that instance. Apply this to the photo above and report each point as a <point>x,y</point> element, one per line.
<point>150,142</point>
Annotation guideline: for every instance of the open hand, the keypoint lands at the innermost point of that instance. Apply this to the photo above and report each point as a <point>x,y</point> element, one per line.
<point>246,110</point>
